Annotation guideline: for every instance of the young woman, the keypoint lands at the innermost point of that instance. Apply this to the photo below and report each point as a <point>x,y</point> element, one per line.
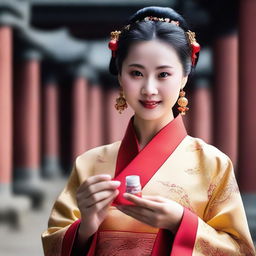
<point>190,202</point>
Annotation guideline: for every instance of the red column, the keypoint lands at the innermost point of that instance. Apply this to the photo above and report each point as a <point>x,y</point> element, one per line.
<point>5,108</point>
<point>10,205</point>
<point>247,100</point>
<point>50,125</point>
<point>116,122</point>
<point>27,129</point>
<point>226,95</point>
<point>201,111</point>
<point>79,139</point>
<point>95,122</point>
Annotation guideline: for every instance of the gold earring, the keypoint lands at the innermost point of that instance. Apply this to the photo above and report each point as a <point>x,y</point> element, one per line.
<point>182,102</point>
<point>121,104</point>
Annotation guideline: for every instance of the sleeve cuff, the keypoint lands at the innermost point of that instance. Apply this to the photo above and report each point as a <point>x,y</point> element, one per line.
<point>69,238</point>
<point>180,244</point>
<point>185,237</point>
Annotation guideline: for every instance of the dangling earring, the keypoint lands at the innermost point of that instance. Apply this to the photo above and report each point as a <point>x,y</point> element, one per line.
<point>182,102</point>
<point>121,104</point>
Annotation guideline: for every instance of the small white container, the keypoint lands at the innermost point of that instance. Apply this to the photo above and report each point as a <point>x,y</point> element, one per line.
<point>133,185</point>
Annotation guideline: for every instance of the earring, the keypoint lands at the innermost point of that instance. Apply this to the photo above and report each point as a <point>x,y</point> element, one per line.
<point>121,104</point>
<point>182,102</point>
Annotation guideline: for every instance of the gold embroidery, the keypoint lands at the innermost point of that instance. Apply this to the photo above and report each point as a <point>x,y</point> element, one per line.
<point>195,146</point>
<point>177,194</point>
<point>226,192</point>
<point>112,243</point>
<point>100,159</point>
<point>206,248</point>
<point>192,171</point>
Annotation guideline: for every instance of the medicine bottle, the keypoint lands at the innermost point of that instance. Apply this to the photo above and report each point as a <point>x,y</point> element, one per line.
<point>133,185</point>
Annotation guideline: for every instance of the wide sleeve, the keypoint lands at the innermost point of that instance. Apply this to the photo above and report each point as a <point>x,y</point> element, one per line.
<point>223,231</point>
<point>64,218</point>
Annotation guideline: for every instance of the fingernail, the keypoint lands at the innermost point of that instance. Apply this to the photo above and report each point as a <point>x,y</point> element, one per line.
<point>116,183</point>
<point>106,176</point>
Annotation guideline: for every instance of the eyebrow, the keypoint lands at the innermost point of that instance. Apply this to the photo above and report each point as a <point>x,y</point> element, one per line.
<point>140,66</point>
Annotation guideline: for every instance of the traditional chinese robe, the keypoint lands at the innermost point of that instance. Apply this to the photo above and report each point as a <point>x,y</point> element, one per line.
<point>172,165</point>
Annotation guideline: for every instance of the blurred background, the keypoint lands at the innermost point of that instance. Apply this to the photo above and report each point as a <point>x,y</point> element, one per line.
<point>57,98</point>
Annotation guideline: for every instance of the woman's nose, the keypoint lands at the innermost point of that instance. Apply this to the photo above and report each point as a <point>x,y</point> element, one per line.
<point>149,87</point>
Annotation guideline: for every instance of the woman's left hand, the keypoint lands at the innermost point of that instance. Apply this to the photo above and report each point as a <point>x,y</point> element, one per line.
<point>155,211</point>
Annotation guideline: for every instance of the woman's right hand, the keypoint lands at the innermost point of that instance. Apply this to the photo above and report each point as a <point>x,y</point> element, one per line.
<point>94,196</point>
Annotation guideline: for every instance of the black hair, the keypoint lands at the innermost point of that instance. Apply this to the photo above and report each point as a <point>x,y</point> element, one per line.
<point>149,30</point>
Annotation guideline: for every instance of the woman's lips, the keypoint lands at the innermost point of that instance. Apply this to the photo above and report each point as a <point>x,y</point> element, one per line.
<point>149,104</point>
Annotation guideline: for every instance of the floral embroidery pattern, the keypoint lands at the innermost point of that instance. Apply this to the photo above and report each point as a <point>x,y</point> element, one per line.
<point>226,192</point>
<point>100,159</point>
<point>206,248</point>
<point>125,244</point>
<point>195,147</point>
<point>177,194</point>
<point>192,171</point>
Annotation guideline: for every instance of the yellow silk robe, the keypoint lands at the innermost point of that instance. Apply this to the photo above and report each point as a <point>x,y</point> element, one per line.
<point>196,175</point>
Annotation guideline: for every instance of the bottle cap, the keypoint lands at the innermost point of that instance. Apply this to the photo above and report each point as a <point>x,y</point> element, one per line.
<point>132,180</point>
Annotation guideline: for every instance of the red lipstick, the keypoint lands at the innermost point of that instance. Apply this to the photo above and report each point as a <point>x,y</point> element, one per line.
<point>150,104</point>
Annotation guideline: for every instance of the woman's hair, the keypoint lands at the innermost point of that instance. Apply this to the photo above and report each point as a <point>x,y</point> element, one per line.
<point>154,30</point>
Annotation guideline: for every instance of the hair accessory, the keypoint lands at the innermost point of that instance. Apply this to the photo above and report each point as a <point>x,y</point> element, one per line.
<point>195,47</point>
<point>183,102</point>
<point>113,44</point>
<point>161,19</point>
<point>121,104</point>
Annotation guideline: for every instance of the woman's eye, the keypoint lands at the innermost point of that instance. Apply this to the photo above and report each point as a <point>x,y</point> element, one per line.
<point>136,73</point>
<point>163,74</point>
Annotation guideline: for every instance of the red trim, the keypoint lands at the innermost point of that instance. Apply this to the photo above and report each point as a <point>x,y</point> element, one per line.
<point>69,238</point>
<point>184,240</point>
<point>163,243</point>
<point>185,237</point>
<point>150,158</point>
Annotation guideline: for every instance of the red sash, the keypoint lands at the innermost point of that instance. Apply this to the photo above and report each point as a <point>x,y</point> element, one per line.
<point>146,162</point>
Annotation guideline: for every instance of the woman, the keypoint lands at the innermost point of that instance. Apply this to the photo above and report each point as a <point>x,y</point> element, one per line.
<point>191,204</point>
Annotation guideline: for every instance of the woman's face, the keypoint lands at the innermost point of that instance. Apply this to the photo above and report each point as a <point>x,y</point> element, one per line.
<point>151,78</point>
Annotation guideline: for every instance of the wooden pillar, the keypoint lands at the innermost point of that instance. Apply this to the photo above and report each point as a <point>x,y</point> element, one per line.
<point>50,126</point>
<point>95,116</point>
<point>27,139</point>
<point>5,109</point>
<point>13,207</point>
<point>247,101</point>
<point>226,95</point>
<point>79,139</point>
<point>201,111</point>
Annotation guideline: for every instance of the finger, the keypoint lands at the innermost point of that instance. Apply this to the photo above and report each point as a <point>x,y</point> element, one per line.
<point>158,199</point>
<point>94,179</point>
<point>100,205</point>
<point>142,202</point>
<point>100,186</point>
<point>138,210</point>
<point>97,197</point>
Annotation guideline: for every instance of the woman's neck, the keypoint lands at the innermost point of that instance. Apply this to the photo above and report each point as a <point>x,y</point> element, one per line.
<point>147,129</point>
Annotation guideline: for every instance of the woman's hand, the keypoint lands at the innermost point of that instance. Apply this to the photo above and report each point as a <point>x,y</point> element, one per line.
<point>155,211</point>
<point>94,197</point>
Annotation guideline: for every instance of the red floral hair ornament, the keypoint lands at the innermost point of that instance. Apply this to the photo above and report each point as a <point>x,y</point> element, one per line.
<point>195,47</point>
<point>113,44</point>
